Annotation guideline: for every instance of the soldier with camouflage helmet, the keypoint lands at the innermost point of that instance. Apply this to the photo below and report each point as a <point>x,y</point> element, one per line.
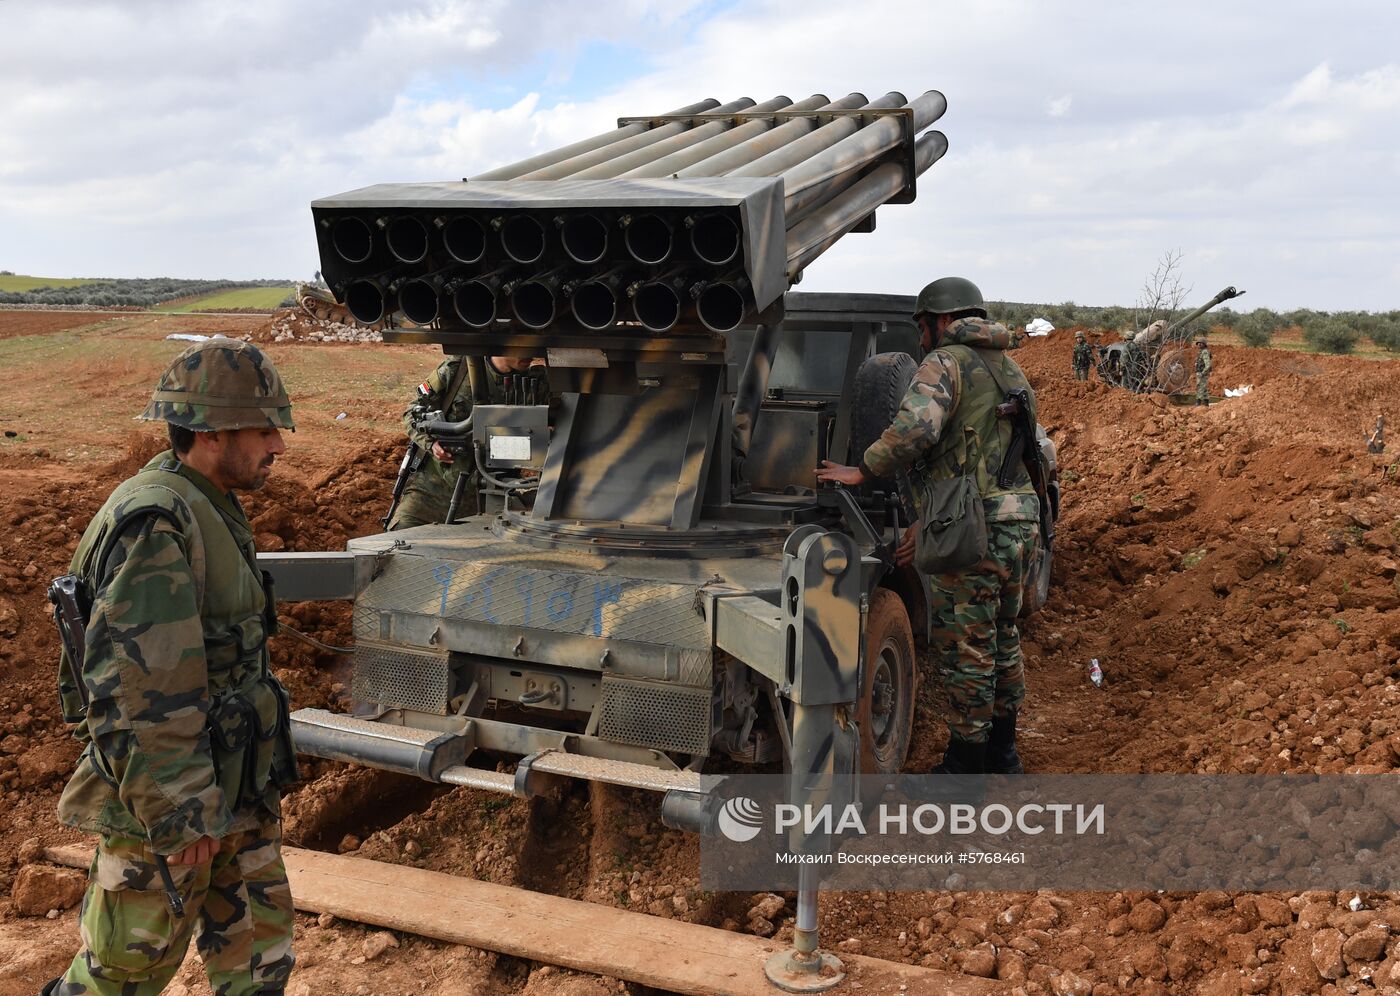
<point>948,426</point>
<point>185,730</point>
<point>1083,356</point>
<point>428,493</point>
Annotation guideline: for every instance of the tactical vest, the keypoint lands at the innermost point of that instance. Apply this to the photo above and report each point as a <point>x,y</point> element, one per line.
<point>249,724</point>
<point>975,436</point>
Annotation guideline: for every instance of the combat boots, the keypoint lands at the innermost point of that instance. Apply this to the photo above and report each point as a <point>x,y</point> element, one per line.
<point>963,757</point>
<point>1002,758</point>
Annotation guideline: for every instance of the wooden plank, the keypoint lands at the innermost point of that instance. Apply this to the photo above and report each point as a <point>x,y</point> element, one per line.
<point>672,955</point>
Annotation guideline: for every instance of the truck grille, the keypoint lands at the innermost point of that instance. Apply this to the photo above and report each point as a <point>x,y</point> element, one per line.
<point>398,676</point>
<point>648,714</point>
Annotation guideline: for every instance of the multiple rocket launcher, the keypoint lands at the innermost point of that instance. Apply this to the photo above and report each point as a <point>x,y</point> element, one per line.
<point>708,213</point>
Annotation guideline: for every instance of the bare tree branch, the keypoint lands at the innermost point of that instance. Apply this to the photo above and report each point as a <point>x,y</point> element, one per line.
<point>1162,292</point>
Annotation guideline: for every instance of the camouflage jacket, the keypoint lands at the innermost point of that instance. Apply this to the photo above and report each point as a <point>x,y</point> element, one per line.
<point>1083,355</point>
<point>429,401</point>
<point>932,406</point>
<point>1203,361</point>
<point>177,628</point>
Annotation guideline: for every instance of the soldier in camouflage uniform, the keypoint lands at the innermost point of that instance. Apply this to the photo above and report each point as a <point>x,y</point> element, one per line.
<point>185,729</point>
<point>1202,371</point>
<point>1083,356</point>
<point>428,493</point>
<point>948,423</point>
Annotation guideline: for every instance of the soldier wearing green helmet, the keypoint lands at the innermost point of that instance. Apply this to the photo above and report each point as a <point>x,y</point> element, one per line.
<point>948,427</point>
<point>1082,358</point>
<point>1203,365</point>
<point>185,730</point>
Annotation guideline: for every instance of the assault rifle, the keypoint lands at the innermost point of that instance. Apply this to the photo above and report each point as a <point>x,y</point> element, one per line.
<point>1024,451</point>
<point>413,458</point>
<point>72,607</point>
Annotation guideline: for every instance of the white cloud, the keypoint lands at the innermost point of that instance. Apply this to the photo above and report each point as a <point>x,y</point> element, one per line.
<point>153,137</point>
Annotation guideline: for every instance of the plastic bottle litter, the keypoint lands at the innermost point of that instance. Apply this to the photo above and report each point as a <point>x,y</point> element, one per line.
<point>1096,673</point>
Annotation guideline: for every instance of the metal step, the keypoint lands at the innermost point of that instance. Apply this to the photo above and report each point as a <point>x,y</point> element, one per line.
<point>440,757</point>
<point>625,773</point>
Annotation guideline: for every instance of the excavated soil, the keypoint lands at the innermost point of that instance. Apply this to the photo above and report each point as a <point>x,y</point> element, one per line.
<point>1233,569</point>
<point>17,323</point>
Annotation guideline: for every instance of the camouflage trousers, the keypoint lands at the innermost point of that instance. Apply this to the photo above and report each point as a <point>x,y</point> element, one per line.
<point>974,643</point>
<point>427,496</point>
<point>1202,390</point>
<point>1081,373</point>
<point>240,902</point>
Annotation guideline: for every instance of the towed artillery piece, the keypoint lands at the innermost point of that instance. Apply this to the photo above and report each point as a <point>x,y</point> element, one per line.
<point>1159,357</point>
<point>674,587</point>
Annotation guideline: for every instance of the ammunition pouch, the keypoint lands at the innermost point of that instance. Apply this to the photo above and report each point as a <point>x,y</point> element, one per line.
<point>250,738</point>
<point>952,536</point>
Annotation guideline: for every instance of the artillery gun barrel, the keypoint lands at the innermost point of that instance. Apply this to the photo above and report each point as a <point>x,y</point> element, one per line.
<point>714,238</point>
<point>533,300</point>
<point>585,146</point>
<point>352,240</point>
<point>475,300</point>
<point>818,178</point>
<point>522,237</point>
<point>810,238</point>
<point>722,163</point>
<point>421,298</point>
<point>676,143</point>
<point>406,237</point>
<point>713,146</point>
<point>657,303</point>
<point>572,167</point>
<point>648,238</point>
<point>462,237</point>
<point>583,236</point>
<point>372,299</point>
<point>594,302</point>
<point>811,145</point>
<point>695,252</point>
<point>1227,294</point>
<point>720,303</point>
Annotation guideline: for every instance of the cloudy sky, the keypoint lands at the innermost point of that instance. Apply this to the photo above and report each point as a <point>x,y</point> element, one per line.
<point>1262,139</point>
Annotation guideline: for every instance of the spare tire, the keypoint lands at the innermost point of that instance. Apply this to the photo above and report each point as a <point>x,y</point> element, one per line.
<point>881,383</point>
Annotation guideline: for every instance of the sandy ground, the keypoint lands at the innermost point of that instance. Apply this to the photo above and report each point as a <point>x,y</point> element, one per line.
<point>1233,569</point>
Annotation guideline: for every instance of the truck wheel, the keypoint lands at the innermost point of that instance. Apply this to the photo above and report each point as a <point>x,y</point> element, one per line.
<point>1174,370</point>
<point>880,386</point>
<point>885,713</point>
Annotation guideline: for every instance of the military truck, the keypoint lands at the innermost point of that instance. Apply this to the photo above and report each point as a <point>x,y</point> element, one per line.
<point>642,621</point>
<point>654,581</point>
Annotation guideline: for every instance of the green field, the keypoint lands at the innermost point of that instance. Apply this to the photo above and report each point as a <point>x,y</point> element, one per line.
<point>244,297</point>
<point>19,284</point>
